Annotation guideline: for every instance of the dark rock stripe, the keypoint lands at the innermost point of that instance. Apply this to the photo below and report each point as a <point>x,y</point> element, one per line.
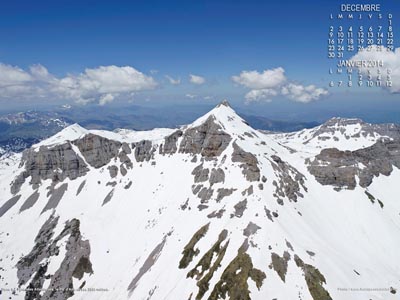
<point>32,199</point>
<point>55,197</point>
<point>9,204</point>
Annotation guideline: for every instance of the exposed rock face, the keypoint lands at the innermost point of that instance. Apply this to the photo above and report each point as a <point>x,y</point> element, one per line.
<point>208,139</point>
<point>217,175</point>
<point>249,163</point>
<point>123,156</point>
<point>113,171</point>
<point>340,168</point>
<point>205,194</point>
<point>224,192</point>
<point>144,150</point>
<point>233,283</point>
<point>32,268</point>
<point>200,174</point>
<point>56,163</point>
<point>207,265</point>
<point>239,207</point>
<point>280,264</point>
<point>189,252</point>
<point>290,180</point>
<point>170,143</point>
<point>251,229</point>
<point>97,151</point>
<point>314,280</point>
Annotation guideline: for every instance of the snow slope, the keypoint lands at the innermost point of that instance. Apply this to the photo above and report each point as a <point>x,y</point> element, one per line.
<point>266,227</point>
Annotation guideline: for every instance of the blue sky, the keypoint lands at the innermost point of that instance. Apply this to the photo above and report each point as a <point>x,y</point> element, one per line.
<point>211,39</point>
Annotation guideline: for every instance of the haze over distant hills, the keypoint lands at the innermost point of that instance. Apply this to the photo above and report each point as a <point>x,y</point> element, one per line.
<point>19,130</point>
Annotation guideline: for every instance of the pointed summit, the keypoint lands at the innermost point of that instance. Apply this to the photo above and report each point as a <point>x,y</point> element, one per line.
<point>224,116</point>
<point>222,113</point>
<point>224,103</point>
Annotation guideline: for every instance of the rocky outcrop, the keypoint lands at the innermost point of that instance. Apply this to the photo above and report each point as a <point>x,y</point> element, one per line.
<point>217,176</point>
<point>224,192</point>
<point>205,194</point>
<point>56,163</point>
<point>144,150</point>
<point>170,143</point>
<point>97,151</point>
<point>189,252</point>
<point>207,139</point>
<point>289,180</point>
<point>200,174</point>
<point>233,283</point>
<point>113,171</point>
<point>251,229</point>
<point>280,264</point>
<point>32,268</point>
<point>239,207</point>
<point>249,163</point>
<point>209,263</point>
<point>314,280</point>
<point>340,168</point>
<point>123,156</point>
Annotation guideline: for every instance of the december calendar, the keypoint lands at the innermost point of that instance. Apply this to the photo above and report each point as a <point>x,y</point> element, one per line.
<point>358,37</point>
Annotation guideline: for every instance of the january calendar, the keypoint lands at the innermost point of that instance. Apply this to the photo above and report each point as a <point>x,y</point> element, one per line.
<point>358,37</point>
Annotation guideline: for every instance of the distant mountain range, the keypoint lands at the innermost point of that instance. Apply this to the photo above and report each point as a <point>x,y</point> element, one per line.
<point>22,129</point>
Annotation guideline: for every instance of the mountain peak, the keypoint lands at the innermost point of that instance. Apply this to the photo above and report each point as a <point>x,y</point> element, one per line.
<point>225,115</point>
<point>224,103</point>
<point>69,133</point>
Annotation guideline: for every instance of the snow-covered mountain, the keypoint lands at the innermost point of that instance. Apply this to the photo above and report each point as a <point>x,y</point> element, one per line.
<point>213,210</point>
<point>344,134</point>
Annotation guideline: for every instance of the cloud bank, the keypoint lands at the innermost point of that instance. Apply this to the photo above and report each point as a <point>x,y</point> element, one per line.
<point>265,80</point>
<point>102,84</point>
<point>271,83</point>
<point>391,61</point>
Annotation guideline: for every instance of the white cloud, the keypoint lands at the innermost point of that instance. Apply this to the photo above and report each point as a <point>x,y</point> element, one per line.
<point>195,79</point>
<point>268,79</point>
<point>391,60</point>
<point>13,76</point>
<point>301,93</point>
<point>271,83</point>
<point>106,98</point>
<point>39,72</point>
<point>172,80</point>
<point>191,96</point>
<point>263,94</point>
<point>101,84</point>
